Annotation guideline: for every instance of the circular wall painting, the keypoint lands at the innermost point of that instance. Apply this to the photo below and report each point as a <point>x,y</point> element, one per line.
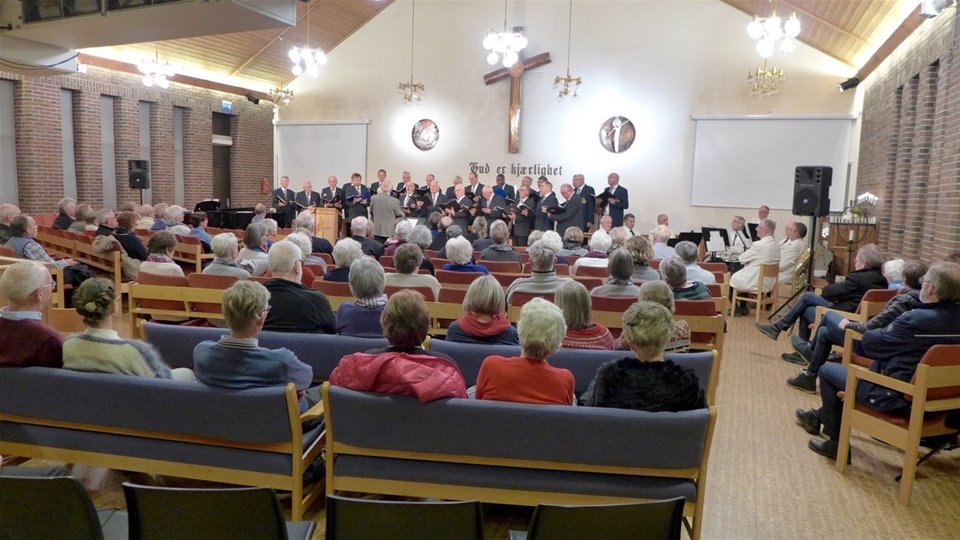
<point>617,134</point>
<point>425,134</point>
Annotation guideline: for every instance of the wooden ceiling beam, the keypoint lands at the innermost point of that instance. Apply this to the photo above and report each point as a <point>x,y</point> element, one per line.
<point>907,27</point>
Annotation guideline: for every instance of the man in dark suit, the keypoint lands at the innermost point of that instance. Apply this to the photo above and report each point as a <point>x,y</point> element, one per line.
<point>534,192</point>
<point>492,206</point>
<point>587,200</point>
<point>308,197</point>
<point>356,197</point>
<point>503,189</point>
<point>474,187</point>
<point>331,192</point>
<point>572,213</point>
<point>548,199</point>
<point>409,197</point>
<point>375,187</point>
<point>523,218</point>
<point>462,217</point>
<point>359,229</point>
<point>283,199</point>
<point>434,198</point>
<point>619,201</point>
<point>452,190</point>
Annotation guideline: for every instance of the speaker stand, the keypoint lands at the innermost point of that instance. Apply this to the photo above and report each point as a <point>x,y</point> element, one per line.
<point>809,285</point>
<point>141,196</point>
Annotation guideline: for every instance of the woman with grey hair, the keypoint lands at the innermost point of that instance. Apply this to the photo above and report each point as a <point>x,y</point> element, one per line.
<point>646,382</point>
<point>499,250</point>
<point>255,245</point>
<point>345,252</point>
<point>401,232</point>
<point>674,272</point>
<point>528,378</point>
<point>597,256</point>
<point>407,261</point>
<point>484,318</point>
<point>225,250</point>
<point>642,252</point>
<point>361,318</point>
<point>302,240</point>
<point>460,254</point>
<point>534,237</point>
<point>573,242</point>
<point>573,299</point>
<point>479,237</point>
<point>893,271</point>
<point>659,292</point>
<point>422,237</point>
<point>162,245</point>
<point>618,237</point>
<point>620,282</point>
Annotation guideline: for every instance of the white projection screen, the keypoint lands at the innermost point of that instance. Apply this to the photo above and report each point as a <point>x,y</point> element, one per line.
<point>744,162</point>
<point>315,151</point>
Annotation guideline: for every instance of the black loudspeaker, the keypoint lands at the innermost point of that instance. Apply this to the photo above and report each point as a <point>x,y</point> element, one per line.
<point>811,190</point>
<point>138,173</point>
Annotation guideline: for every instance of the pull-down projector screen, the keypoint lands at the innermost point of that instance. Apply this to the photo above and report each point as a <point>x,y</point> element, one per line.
<point>748,161</point>
<point>315,151</point>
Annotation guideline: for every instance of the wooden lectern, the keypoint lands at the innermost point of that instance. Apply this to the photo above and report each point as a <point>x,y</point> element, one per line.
<point>327,222</point>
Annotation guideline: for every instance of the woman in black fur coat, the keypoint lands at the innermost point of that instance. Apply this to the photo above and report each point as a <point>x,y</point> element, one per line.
<point>647,382</point>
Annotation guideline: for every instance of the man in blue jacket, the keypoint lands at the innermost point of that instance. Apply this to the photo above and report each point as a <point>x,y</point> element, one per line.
<point>896,350</point>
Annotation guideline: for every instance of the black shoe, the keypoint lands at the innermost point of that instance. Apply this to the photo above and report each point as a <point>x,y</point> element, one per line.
<point>827,448</point>
<point>804,381</point>
<point>835,357</point>
<point>802,347</point>
<point>794,358</point>
<point>741,310</point>
<point>809,421</point>
<point>772,331</point>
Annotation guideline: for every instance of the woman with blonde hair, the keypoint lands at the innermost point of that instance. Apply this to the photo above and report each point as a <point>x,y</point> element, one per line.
<point>485,316</point>
<point>642,252</point>
<point>574,301</point>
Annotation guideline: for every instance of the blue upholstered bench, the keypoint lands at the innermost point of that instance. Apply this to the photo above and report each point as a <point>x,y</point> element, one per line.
<point>515,453</point>
<point>250,437</point>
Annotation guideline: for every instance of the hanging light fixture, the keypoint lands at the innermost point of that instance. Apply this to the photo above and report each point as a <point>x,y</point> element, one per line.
<point>280,96</point>
<point>767,31</point>
<point>411,92</point>
<point>156,72</point>
<point>764,81</point>
<point>568,80</point>
<point>505,45</point>
<point>305,59</point>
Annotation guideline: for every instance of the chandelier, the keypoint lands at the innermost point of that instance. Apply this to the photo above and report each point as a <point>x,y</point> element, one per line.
<point>281,96</point>
<point>767,31</point>
<point>156,72</point>
<point>568,80</point>
<point>306,59</point>
<point>410,91</point>
<point>505,45</point>
<point>764,81</point>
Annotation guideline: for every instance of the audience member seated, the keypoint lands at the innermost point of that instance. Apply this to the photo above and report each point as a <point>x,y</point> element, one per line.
<point>763,251</point>
<point>892,270</point>
<point>647,382</point>
<point>460,254</point>
<point>659,292</point>
<point>618,237</point>
<point>255,247</point>
<point>843,296</point>
<point>106,223</point>
<point>23,231</point>
<point>345,252</point>
<point>361,318</point>
<point>86,222</point>
<point>161,245</point>
<point>440,235</point>
<point>406,260</point>
<point>7,213</point>
<point>688,253</point>
<point>478,238</point>
<point>145,217</point>
<point>832,328</point>
<point>620,282</point>
<point>674,272</point>
<point>198,229</point>
<point>404,367</point>
<point>100,349</point>
<point>422,237</point>
<point>226,251</point>
<point>306,223</point>
<point>499,250</point>
<point>360,231</point>
<point>174,215</point>
<point>259,213</point>
<point>544,279</point>
<point>401,234</point>
<point>572,297</point>
<point>895,350</point>
<point>534,237</point>
<point>237,362</point>
<point>597,256</point>
<point>573,243</point>
<point>295,307</point>
<point>484,318</point>
<point>66,214</point>
<point>306,275</point>
<point>302,240</point>
<point>659,237</point>
<point>453,231</point>
<point>553,240</point>
<point>159,217</point>
<point>528,378</point>
<point>128,239</point>
<point>641,251</point>
<point>25,340</point>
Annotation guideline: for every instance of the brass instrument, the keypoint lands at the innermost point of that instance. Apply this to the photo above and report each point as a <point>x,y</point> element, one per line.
<point>800,272</point>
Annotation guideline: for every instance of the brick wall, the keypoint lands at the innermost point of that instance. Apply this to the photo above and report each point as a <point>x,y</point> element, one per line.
<point>910,143</point>
<point>39,161</point>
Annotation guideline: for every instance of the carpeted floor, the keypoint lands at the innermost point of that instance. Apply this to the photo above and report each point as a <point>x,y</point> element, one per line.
<point>763,482</point>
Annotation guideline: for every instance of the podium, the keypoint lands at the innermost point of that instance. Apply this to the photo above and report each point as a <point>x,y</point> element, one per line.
<point>327,223</point>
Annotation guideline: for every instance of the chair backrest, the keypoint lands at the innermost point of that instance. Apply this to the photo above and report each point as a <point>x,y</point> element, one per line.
<point>64,320</point>
<point>593,271</point>
<point>502,266</point>
<point>38,507</point>
<point>327,258</point>
<point>211,281</point>
<point>146,278</point>
<point>662,520</point>
<point>438,263</point>
<point>611,303</point>
<point>695,307</point>
<point>7,252</point>
<point>333,288</point>
<point>590,283</point>
<point>505,279</point>
<point>386,260</point>
<point>431,253</point>
<point>427,292</point>
<point>940,356</point>
<point>160,512</point>
<point>359,519</point>
<point>654,264</point>
<point>716,290</point>
<point>874,300</point>
<point>521,298</point>
<point>714,266</point>
<point>451,295</point>
<point>453,277</point>
<point>767,271</point>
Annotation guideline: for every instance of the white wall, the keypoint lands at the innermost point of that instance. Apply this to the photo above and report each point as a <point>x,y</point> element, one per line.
<point>655,62</point>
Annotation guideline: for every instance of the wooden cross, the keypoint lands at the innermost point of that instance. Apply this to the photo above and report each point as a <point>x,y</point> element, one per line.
<point>515,72</point>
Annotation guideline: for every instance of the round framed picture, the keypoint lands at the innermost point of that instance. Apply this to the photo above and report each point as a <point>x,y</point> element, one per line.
<point>425,134</point>
<point>617,134</point>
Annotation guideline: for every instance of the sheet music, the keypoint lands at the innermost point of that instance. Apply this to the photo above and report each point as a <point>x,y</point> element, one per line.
<point>715,243</point>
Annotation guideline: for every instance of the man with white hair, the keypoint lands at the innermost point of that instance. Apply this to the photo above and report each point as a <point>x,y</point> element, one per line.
<point>259,213</point>
<point>384,208</point>
<point>400,233</point>
<point>174,215</point>
<point>763,251</point>
<point>25,340</point>
<point>345,252</point>
<point>332,195</point>
<point>544,279</point>
<point>492,205</point>
<point>571,214</point>
<point>66,213</point>
<point>687,251</point>
<point>294,308</point>
<point>451,191</point>
<point>360,230</point>
<point>606,224</point>
<point>460,217</point>
<point>146,217</point>
<point>659,239</point>
<point>226,249</point>
<point>7,213</point>
<point>597,256</point>
<point>499,250</point>
<point>308,198</point>
<point>306,223</point>
<point>160,217</point>
<point>107,221</point>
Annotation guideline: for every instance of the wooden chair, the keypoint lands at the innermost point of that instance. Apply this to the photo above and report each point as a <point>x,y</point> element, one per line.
<point>717,293</point>
<point>386,260</point>
<point>146,278</point>
<point>456,278</point>
<point>502,266</point>
<point>872,303</point>
<point>7,252</point>
<point>427,292</point>
<point>315,268</point>
<point>706,326</point>
<point>519,299</point>
<point>608,311</point>
<point>593,271</point>
<point>327,258</point>
<point>190,250</point>
<point>654,264</point>
<point>261,279</point>
<point>205,281</point>
<point>760,298</point>
<point>717,267</point>
<point>431,253</point>
<point>447,308</point>
<point>657,519</point>
<point>559,268</point>
<point>438,262</point>
<point>505,279</point>
<point>65,320</point>
<point>590,283</point>
<point>933,392</point>
<point>333,288</point>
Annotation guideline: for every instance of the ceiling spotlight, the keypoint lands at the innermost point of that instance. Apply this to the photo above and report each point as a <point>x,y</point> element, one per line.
<point>932,8</point>
<point>852,82</point>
